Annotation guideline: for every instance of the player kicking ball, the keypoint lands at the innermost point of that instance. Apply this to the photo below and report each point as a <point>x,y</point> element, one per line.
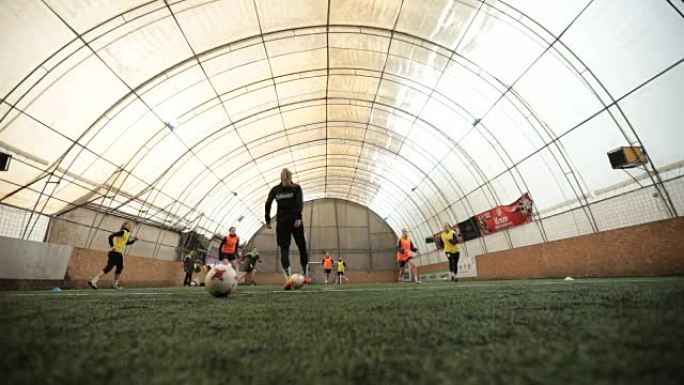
<point>289,224</point>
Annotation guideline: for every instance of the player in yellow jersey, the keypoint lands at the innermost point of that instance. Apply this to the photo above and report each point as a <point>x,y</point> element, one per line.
<point>451,249</point>
<point>117,243</point>
<point>248,263</point>
<point>341,267</point>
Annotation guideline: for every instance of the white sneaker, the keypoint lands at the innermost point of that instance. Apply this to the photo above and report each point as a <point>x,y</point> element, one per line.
<point>92,284</point>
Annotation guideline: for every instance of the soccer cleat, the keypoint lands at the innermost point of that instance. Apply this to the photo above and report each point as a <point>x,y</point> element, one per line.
<point>92,284</point>
<point>116,286</point>
<point>288,284</point>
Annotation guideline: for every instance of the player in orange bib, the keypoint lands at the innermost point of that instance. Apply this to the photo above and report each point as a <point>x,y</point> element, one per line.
<point>405,250</point>
<point>327,265</point>
<point>229,248</point>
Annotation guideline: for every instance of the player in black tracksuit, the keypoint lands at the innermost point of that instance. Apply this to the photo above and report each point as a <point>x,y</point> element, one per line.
<point>289,220</point>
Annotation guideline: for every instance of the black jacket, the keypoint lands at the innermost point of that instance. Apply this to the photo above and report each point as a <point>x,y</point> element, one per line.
<point>290,202</point>
<point>188,264</point>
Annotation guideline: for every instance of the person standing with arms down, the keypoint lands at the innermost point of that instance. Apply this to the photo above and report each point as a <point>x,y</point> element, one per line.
<point>450,240</point>
<point>229,248</point>
<point>117,243</point>
<point>289,223</point>
<point>188,266</point>
<point>327,266</point>
<point>405,250</point>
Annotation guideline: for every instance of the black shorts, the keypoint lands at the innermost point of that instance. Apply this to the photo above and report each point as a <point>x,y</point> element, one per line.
<point>249,267</point>
<point>453,255</point>
<point>327,271</point>
<point>403,263</point>
<point>114,258</point>
<point>230,257</point>
<point>340,273</point>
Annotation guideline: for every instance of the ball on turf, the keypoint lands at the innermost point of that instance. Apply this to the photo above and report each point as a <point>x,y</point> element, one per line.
<point>221,280</point>
<point>297,281</point>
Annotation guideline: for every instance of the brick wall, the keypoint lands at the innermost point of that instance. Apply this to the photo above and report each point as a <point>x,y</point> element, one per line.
<point>354,277</point>
<point>652,249</point>
<point>141,271</point>
<point>431,268</point>
<point>137,272</point>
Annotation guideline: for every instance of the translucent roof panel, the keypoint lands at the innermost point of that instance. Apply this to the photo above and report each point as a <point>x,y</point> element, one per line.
<point>422,111</point>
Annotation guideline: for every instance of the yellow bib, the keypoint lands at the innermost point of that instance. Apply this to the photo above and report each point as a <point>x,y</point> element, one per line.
<point>120,242</point>
<point>448,247</point>
<point>340,266</point>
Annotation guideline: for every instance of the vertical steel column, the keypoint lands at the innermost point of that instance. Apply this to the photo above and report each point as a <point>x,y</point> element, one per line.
<point>337,229</point>
<point>370,243</point>
<point>308,240</point>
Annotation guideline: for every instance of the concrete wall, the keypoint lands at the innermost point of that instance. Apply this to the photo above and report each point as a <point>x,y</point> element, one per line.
<point>90,229</point>
<point>344,228</point>
<point>652,249</point>
<point>29,265</point>
<point>20,259</point>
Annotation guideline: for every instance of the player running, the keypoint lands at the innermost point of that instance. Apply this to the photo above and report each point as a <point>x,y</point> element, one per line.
<point>117,243</point>
<point>405,250</point>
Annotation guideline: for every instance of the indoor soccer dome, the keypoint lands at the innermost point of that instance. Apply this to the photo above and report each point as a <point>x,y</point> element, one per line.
<point>183,113</point>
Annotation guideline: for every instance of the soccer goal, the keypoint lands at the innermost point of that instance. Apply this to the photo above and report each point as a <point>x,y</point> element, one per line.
<point>316,271</point>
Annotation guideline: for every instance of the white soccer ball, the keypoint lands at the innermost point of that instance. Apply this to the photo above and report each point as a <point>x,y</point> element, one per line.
<point>297,281</point>
<point>221,280</point>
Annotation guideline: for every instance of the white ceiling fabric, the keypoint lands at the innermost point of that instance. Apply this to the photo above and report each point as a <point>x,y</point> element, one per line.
<point>184,112</point>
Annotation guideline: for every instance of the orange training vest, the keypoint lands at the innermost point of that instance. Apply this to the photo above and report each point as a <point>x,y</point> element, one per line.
<point>406,245</point>
<point>230,244</point>
<point>327,262</point>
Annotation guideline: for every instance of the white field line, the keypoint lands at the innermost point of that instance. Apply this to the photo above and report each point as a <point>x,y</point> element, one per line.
<point>398,287</point>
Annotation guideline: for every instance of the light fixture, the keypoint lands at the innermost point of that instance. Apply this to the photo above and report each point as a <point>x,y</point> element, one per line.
<point>5,160</point>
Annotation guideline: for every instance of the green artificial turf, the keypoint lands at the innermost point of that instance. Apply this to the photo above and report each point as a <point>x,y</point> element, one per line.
<point>619,331</point>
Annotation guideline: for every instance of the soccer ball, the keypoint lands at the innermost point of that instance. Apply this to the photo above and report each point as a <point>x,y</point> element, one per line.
<point>221,280</point>
<point>297,281</point>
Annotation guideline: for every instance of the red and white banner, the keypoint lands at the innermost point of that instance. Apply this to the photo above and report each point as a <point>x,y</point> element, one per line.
<point>490,221</point>
<point>503,217</point>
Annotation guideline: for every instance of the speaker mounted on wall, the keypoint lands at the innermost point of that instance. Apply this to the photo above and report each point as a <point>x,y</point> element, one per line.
<point>627,157</point>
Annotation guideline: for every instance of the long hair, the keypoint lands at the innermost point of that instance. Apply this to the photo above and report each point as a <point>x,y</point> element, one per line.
<point>128,225</point>
<point>286,178</point>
